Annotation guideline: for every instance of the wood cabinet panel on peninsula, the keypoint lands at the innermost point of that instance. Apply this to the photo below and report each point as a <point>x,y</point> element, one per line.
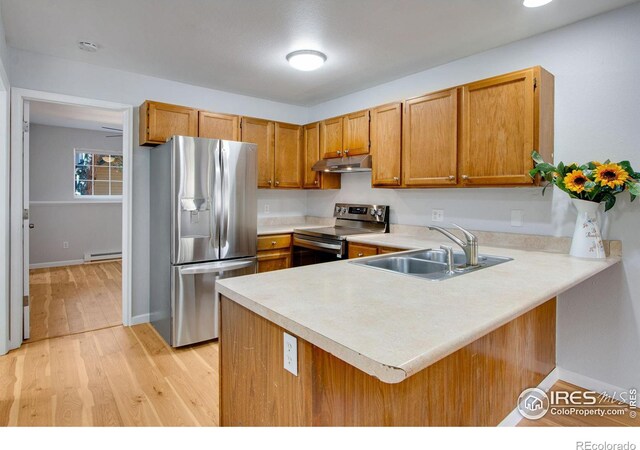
<point>477,385</point>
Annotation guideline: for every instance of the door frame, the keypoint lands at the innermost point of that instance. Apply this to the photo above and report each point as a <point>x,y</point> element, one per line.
<point>4,209</point>
<point>18,97</point>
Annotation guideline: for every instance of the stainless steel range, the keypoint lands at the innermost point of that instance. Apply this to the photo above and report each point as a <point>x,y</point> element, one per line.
<point>316,245</point>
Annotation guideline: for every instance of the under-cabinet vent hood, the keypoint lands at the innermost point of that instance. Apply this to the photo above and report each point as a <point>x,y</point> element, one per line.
<point>360,163</point>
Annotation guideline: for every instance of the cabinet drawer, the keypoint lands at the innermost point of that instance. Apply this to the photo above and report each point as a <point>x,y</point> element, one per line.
<point>273,260</point>
<point>273,242</point>
<point>361,250</point>
<point>383,250</point>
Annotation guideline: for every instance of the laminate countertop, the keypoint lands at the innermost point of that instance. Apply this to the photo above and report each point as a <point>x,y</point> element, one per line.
<point>265,230</point>
<point>391,325</point>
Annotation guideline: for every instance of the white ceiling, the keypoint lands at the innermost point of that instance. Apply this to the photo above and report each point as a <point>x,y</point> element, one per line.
<point>240,45</point>
<point>70,116</point>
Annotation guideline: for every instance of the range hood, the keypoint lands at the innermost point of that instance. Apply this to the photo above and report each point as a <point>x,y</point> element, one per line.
<point>360,163</point>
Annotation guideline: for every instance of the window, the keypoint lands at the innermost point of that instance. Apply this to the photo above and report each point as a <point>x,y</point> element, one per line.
<point>97,174</point>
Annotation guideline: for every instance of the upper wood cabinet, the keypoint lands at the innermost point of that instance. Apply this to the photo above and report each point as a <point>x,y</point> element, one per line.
<point>311,155</point>
<point>331,137</point>
<point>504,118</point>
<point>430,144</point>
<point>356,133</point>
<point>261,132</point>
<point>160,121</point>
<point>218,126</point>
<point>345,135</point>
<point>288,156</point>
<point>386,143</point>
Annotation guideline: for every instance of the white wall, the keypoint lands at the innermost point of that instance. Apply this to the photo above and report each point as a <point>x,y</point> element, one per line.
<point>87,227</point>
<point>595,63</point>
<point>45,73</point>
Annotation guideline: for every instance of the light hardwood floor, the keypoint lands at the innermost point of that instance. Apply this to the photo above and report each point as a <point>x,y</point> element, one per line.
<point>73,299</point>
<point>117,376</point>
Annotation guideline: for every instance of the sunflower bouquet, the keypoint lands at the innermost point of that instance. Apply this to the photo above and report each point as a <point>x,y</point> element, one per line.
<point>593,181</point>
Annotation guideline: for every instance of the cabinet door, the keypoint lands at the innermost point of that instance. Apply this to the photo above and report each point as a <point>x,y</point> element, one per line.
<point>386,144</point>
<point>288,156</point>
<point>218,126</point>
<point>164,120</point>
<point>430,142</point>
<point>498,130</point>
<point>385,250</point>
<point>260,132</point>
<point>331,137</point>
<point>311,148</point>
<point>273,260</point>
<point>356,133</point>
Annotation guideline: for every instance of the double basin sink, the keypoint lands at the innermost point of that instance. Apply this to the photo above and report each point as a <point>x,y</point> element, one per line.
<point>429,264</point>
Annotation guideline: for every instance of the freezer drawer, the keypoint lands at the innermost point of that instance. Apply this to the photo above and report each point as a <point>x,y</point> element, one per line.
<point>195,303</point>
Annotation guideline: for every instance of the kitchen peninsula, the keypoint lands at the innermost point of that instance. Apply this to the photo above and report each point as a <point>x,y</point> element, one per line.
<point>453,352</point>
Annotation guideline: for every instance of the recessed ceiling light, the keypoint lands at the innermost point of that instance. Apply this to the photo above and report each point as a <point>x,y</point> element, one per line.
<point>87,46</point>
<point>535,3</point>
<point>306,59</point>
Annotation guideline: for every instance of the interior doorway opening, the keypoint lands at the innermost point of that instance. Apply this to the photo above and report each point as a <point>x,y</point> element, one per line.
<point>74,186</point>
<point>61,189</point>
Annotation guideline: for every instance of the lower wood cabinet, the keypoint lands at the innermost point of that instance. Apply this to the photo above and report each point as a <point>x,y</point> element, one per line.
<point>361,250</point>
<point>274,252</point>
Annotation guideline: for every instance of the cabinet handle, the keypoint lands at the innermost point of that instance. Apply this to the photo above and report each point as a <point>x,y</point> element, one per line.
<point>339,153</point>
<point>315,181</point>
<point>452,177</point>
<point>360,255</point>
<point>396,179</point>
<point>346,152</point>
<point>277,183</point>
<point>465,177</point>
<point>269,182</point>
<point>273,242</point>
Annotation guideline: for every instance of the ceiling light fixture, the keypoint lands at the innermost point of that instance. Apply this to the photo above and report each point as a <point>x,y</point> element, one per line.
<point>88,46</point>
<point>535,3</point>
<point>306,60</point>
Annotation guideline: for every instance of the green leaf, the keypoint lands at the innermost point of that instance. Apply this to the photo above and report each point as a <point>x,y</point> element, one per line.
<point>634,188</point>
<point>609,201</point>
<point>633,197</point>
<point>561,168</point>
<point>545,167</point>
<point>537,158</point>
<point>626,165</point>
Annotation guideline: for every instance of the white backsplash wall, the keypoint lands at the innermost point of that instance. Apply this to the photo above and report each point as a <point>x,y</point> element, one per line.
<point>281,203</point>
<point>597,106</point>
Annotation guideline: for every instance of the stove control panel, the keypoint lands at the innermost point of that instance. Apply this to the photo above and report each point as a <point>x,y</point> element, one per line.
<point>362,213</point>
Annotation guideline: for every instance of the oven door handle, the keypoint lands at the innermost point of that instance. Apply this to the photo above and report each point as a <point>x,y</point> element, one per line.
<point>317,245</point>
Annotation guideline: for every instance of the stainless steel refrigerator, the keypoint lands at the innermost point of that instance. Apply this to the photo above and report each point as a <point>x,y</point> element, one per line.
<point>203,228</point>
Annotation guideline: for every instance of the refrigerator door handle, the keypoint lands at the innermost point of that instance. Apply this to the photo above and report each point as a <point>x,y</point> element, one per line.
<point>216,267</point>
<point>225,194</point>
<point>216,210</point>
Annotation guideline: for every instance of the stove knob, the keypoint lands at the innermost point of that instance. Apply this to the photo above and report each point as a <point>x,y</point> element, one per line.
<point>379,212</point>
<point>372,212</point>
<point>344,210</point>
<point>337,210</point>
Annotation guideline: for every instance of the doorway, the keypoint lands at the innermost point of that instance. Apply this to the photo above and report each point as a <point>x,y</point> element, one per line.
<point>70,215</point>
<point>74,193</point>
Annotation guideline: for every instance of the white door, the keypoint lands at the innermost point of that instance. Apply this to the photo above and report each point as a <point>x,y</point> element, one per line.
<point>26,226</point>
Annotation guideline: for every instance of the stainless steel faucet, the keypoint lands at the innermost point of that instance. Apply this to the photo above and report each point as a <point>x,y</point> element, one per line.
<point>470,247</point>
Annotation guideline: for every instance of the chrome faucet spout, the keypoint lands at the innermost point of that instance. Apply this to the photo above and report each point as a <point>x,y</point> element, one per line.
<point>470,247</point>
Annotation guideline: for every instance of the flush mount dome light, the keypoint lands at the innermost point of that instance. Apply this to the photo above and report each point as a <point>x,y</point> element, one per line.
<point>535,3</point>
<point>87,46</point>
<point>306,60</point>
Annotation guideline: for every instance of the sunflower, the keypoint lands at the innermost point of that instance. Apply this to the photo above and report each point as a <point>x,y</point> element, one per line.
<point>575,181</point>
<point>611,175</point>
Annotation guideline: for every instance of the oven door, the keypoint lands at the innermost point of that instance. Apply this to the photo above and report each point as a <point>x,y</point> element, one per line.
<point>313,250</point>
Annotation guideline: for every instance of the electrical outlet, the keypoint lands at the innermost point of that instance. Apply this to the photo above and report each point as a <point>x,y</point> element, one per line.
<point>516,217</point>
<point>437,215</point>
<point>266,208</point>
<point>290,353</point>
<point>65,244</point>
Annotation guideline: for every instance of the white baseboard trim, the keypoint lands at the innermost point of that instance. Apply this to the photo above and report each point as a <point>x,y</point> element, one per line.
<point>514,417</point>
<point>141,318</point>
<point>592,384</point>
<point>71,262</point>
